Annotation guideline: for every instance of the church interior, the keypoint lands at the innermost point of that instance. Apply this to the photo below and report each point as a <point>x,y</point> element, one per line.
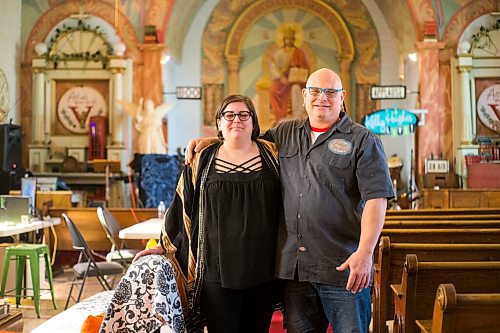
<point>99,99</point>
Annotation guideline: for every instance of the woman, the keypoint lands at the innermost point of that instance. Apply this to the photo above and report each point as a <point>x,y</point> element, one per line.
<point>221,228</point>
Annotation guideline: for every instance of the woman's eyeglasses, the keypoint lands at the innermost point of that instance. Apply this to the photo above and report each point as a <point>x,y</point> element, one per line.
<point>329,92</point>
<point>230,115</point>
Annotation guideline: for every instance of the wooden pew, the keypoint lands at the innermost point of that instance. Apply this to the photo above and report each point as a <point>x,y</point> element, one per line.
<point>443,235</point>
<point>418,213</point>
<point>413,298</point>
<point>456,217</point>
<point>462,313</point>
<point>437,224</point>
<point>391,259</point>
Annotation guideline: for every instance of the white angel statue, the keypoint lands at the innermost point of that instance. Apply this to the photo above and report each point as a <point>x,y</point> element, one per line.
<point>148,124</point>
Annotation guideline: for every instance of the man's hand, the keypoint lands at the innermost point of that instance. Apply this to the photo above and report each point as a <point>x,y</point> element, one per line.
<point>158,249</point>
<point>360,264</point>
<point>195,146</point>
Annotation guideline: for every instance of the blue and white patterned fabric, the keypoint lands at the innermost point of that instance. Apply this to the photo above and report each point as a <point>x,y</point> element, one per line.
<point>145,299</point>
<point>159,175</point>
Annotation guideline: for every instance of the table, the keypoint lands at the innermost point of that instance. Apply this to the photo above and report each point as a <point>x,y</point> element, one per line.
<point>149,229</point>
<point>11,229</point>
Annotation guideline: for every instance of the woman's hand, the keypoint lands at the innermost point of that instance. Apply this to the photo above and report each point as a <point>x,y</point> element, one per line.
<point>158,249</point>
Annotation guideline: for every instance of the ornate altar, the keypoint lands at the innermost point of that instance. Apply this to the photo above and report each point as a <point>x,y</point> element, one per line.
<point>78,74</point>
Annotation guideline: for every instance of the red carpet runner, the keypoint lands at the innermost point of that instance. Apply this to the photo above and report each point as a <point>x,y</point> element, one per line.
<point>277,324</point>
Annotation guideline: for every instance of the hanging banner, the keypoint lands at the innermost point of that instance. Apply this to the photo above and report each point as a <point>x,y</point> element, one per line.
<point>391,122</point>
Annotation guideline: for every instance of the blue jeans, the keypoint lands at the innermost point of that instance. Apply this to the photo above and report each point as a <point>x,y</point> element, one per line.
<point>310,306</point>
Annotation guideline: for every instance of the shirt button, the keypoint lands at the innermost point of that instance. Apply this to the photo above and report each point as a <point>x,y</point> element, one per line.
<point>302,249</point>
<point>300,195</point>
<point>299,235</point>
<point>299,216</point>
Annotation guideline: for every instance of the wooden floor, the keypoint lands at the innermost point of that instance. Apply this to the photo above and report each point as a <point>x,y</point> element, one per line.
<point>62,285</point>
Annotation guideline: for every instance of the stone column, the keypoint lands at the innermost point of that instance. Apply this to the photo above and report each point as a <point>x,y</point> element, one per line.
<point>117,150</point>
<point>117,128</point>
<point>233,62</point>
<point>463,68</point>
<point>38,112</point>
<point>432,94</point>
<point>152,87</point>
<point>464,119</point>
<point>345,76</point>
<point>38,150</point>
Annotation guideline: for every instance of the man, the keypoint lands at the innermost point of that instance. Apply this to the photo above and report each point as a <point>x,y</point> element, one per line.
<point>289,70</point>
<point>335,183</point>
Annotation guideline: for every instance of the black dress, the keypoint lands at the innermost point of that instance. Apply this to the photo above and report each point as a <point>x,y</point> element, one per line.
<point>242,213</point>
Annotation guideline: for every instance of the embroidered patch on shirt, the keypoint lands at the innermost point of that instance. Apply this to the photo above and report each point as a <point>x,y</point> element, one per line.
<point>340,146</point>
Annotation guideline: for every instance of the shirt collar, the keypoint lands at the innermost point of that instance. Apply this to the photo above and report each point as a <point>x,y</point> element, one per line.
<point>343,125</point>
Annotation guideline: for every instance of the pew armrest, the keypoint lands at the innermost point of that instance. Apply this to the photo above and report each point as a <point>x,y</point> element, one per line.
<point>425,326</point>
<point>396,289</point>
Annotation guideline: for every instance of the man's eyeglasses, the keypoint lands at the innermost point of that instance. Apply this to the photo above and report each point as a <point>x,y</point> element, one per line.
<point>329,92</point>
<point>230,115</point>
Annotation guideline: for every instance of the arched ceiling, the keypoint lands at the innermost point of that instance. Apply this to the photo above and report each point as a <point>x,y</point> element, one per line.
<point>400,16</point>
<point>400,21</point>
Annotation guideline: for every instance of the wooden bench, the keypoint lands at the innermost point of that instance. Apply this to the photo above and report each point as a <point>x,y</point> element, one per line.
<point>419,213</point>
<point>424,217</point>
<point>391,259</point>
<point>462,313</point>
<point>413,298</point>
<point>436,224</point>
<point>443,235</point>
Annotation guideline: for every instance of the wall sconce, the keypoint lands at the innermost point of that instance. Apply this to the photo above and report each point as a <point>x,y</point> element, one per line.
<point>41,49</point>
<point>164,58</point>
<point>413,56</point>
<point>188,92</point>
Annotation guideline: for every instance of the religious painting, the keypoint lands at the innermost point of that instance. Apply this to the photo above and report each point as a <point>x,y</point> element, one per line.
<point>487,106</point>
<point>278,54</point>
<point>76,101</point>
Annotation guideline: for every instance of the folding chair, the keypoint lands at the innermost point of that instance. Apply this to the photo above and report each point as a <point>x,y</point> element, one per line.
<point>112,229</point>
<point>86,265</point>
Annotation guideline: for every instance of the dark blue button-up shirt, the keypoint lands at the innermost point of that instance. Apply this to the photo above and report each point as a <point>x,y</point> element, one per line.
<point>325,185</point>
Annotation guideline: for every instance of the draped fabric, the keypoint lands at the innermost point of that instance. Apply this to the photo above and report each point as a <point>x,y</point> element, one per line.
<point>183,234</point>
<point>158,178</point>
<point>145,299</point>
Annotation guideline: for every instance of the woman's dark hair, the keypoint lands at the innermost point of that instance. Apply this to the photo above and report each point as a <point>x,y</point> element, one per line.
<point>235,99</point>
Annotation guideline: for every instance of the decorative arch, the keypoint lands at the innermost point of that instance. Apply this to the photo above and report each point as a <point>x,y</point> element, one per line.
<point>252,13</point>
<point>462,18</point>
<point>230,22</point>
<point>40,30</point>
<point>65,9</point>
<point>422,11</point>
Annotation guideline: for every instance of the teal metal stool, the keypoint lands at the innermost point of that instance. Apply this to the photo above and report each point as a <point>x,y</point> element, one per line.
<point>31,252</point>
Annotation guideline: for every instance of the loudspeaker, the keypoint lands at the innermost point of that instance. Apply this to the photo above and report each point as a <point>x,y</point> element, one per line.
<point>10,147</point>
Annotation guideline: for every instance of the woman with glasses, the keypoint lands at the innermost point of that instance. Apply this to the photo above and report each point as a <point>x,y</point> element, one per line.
<point>221,228</point>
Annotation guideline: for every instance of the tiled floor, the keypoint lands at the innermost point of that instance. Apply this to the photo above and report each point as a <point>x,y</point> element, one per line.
<point>62,283</point>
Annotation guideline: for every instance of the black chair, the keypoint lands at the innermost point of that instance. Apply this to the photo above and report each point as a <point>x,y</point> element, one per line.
<point>86,265</point>
<point>112,229</point>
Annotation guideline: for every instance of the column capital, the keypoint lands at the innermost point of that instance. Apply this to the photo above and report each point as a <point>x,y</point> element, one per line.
<point>233,62</point>
<point>432,45</point>
<point>464,69</point>
<point>152,47</point>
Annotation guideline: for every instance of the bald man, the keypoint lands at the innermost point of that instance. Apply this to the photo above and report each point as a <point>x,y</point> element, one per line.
<point>335,182</point>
